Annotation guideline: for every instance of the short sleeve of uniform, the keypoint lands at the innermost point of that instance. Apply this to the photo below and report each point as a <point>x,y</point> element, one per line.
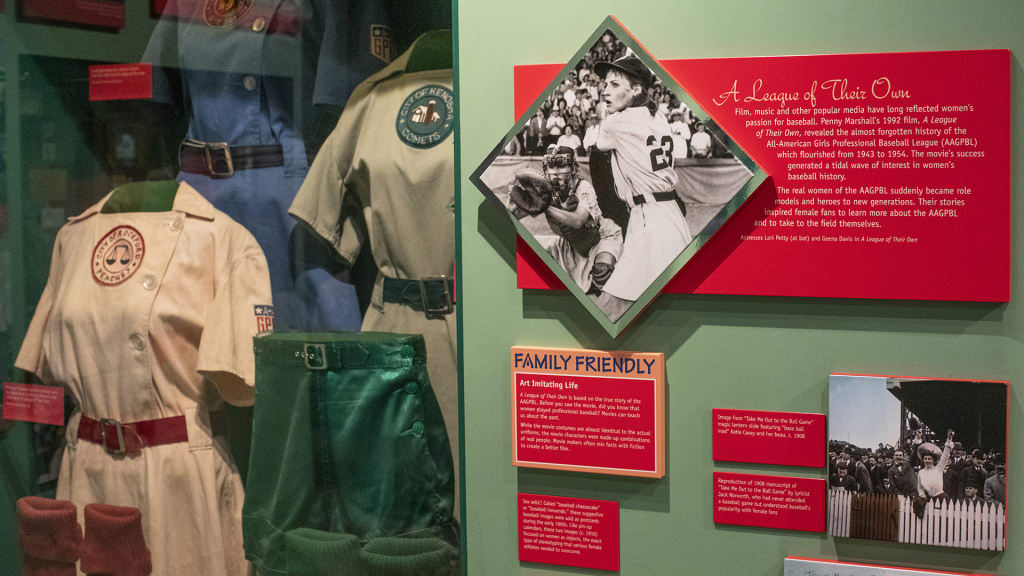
<point>327,200</point>
<point>241,308</point>
<point>607,132</point>
<point>32,356</point>
<point>356,42</point>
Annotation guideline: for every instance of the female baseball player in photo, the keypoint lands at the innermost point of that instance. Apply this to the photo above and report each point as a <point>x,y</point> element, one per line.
<point>640,143</point>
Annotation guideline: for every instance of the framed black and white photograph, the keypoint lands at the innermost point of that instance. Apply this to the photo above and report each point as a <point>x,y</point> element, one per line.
<point>918,460</point>
<point>615,176</point>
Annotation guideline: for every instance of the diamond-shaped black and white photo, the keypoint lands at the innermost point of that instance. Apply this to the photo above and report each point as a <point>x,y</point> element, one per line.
<point>613,175</point>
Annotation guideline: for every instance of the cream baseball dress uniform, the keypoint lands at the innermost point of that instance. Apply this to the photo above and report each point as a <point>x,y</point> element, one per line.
<point>643,173</point>
<point>150,316</point>
<point>375,180</point>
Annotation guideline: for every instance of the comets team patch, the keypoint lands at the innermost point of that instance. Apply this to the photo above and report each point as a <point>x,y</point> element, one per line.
<point>117,256</point>
<point>426,117</point>
<point>264,317</point>
<point>222,13</point>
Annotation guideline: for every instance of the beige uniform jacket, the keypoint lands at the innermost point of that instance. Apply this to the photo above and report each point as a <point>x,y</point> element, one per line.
<point>136,330</point>
<point>406,195</point>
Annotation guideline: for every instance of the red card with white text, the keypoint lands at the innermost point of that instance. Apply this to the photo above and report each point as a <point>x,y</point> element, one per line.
<point>32,403</point>
<point>761,437</point>
<point>569,531</point>
<point>890,175</point>
<point>785,502</point>
<point>121,82</point>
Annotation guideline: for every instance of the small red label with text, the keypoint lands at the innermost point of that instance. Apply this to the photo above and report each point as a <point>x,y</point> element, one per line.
<point>784,502</point>
<point>569,531</point>
<point>31,403</point>
<point>787,438</point>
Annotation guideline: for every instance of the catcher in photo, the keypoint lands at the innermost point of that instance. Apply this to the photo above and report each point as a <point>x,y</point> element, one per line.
<point>587,245</point>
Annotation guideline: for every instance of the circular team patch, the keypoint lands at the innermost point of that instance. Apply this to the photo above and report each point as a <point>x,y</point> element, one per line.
<point>426,117</point>
<point>117,256</point>
<point>221,13</point>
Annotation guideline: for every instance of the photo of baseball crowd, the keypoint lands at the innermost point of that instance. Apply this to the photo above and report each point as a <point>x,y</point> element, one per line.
<point>920,469</point>
<point>614,175</point>
<point>571,114</point>
<point>937,446</point>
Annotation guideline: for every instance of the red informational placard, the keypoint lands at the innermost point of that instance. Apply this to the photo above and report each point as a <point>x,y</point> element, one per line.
<point>589,411</point>
<point>785,502</point>
<point>31,403</point>
<point>786,438</point>
<point>91,13</point>
<point>121,82</point>
<point>569,531</point>
<point>890,175</point>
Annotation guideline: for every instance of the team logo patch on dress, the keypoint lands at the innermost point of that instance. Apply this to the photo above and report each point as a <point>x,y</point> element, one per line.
<point>264,317</point>
<point>117,256</point>
<point>382,46</point>
<point>426,117</point>
<point>222,13</point>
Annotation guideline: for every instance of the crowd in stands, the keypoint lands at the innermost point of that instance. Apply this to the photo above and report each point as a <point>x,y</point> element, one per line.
<point>920,469</point>
<point>571,114</point>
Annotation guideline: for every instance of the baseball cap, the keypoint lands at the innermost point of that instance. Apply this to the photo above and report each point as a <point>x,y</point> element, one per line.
<point>630,66</point>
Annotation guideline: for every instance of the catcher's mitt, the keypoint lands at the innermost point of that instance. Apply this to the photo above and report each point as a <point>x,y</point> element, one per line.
<point>531,191</point>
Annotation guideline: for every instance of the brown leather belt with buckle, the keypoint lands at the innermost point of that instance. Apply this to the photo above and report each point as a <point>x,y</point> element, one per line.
<point>128,438</point>
<point>220,160</point>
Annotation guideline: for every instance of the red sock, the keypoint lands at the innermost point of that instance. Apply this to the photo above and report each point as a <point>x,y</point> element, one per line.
<point>49,536</point>
<point>114,544</point>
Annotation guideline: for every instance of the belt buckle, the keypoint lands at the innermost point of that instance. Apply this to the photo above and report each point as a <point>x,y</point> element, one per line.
<point>206,147</point>
<point>220,146</point>
<point>104,422</point>
<point>312,352</point>
<point>446,307</point>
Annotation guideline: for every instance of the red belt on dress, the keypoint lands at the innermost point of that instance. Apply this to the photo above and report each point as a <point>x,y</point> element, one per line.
<point>121,438</point>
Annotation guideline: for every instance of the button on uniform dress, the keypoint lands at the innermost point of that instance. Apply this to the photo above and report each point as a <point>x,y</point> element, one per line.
<point>386,174</point>
<point>149,317</point>
<point>252,76</point>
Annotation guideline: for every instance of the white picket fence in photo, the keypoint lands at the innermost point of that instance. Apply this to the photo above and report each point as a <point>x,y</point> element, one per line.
<point>954,523</point>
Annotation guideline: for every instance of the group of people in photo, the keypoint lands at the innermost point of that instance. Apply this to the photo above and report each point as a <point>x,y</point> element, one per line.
<point>572,113</point>
<point>921,468</point>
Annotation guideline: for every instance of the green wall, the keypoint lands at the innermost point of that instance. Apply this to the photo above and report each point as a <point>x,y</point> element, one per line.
<point>742,352</point>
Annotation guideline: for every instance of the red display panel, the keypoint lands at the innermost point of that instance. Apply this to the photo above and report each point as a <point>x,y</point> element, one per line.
<point>786,438</point>
<point>108,14</point>
<point>588,411</point>
<point>890,175</point>
<point>31,403</point>
<point>569,531</point>
<point>120,82</point>
<point>784,502</point>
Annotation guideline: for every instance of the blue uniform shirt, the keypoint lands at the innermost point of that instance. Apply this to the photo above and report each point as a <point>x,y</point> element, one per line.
<point>253,75</point>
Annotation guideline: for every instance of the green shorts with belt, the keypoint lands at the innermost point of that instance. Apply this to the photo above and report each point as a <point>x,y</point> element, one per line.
<point>347,438</point>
